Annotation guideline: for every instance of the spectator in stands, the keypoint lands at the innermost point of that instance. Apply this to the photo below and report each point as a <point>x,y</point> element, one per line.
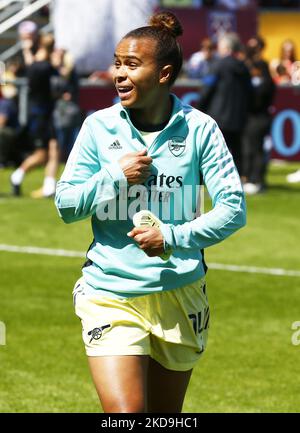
<point>67,120</point>
<point>29,37</point>
<point>257,128</point>
<point>200,63</point>
<point>67,77</point>
<point>40,106</point>
<point>254,49</point>
<point>28,30</point>
<point>285,62</point>
<point>282,77</point>
<point>226,99</point>
<point>67,115</point>
<point>254,55</point>
<point>8,118</point>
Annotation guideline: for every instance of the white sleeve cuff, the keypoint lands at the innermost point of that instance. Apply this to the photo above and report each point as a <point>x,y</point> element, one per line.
<point>167,233</point>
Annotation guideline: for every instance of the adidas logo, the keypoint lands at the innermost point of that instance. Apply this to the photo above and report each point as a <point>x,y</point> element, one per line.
<point>115,145</point>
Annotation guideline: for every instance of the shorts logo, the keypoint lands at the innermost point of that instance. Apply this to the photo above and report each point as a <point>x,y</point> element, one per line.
<point>177,145</point>
<point>96,333</point>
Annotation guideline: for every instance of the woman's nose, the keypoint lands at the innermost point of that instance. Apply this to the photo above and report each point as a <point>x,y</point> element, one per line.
<point>121,72</point>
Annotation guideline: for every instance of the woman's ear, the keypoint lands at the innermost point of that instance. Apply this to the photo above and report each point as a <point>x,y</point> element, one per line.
<point>165,74</point>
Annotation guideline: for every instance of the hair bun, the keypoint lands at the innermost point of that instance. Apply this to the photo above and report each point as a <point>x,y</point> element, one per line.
<point>167,21</point>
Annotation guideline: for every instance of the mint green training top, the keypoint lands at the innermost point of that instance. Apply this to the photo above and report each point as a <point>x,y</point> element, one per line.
<point>188,149</point>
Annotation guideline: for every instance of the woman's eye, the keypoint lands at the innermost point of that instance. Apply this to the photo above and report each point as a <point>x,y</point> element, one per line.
<point>132,65</point>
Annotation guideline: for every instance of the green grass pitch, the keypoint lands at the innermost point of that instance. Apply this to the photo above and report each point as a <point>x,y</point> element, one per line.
<point>250,364</point>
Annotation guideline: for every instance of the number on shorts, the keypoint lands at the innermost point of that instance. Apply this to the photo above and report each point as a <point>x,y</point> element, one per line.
<point>200,320</point>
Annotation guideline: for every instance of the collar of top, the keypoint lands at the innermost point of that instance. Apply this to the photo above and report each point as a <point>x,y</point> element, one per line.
<point>177,113</point>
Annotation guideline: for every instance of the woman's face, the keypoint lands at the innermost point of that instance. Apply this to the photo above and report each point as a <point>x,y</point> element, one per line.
<point>287,49</point>
<point>136,74</point>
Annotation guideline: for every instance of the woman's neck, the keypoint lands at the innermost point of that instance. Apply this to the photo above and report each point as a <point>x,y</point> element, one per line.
<point>152,116</point>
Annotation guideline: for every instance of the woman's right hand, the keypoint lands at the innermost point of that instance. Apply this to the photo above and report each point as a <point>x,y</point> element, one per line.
<point>136,166</point>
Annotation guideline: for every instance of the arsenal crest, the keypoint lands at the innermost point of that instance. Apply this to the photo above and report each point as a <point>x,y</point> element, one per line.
<point>177,145</point>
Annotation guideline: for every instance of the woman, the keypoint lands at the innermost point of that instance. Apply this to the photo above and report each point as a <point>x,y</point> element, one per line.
<point>200,64</point>
<point>282,68</point>
<point>145,319</point>
<point>39,72</point>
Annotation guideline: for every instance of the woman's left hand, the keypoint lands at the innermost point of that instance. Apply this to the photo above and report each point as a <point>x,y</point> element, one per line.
<point>149,239</point>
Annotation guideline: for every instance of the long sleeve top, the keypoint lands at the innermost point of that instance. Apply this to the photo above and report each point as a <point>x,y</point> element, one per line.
<point>189,149</point>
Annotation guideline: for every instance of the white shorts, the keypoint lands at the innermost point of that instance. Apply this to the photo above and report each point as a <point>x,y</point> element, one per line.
<point>170,326</point>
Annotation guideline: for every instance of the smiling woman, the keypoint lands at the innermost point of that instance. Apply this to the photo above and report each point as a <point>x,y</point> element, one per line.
<point>142,297</point>
<point>147,62</point>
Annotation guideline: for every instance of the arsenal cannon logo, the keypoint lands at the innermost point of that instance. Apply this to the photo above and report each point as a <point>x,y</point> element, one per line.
<point>177,145</point>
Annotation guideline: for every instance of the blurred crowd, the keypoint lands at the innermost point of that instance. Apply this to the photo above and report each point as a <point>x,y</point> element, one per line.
<point>283,70</point>
<point>53,113</point>
<point>237,89</point>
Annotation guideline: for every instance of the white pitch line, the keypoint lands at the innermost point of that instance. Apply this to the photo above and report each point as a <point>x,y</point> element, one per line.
<point>216,266</point>
<point>255,270</point>
<point>41,251</point>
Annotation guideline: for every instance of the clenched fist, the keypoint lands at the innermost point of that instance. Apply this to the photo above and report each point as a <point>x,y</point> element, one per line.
<point>149,239</point>
<point>136,166</point>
